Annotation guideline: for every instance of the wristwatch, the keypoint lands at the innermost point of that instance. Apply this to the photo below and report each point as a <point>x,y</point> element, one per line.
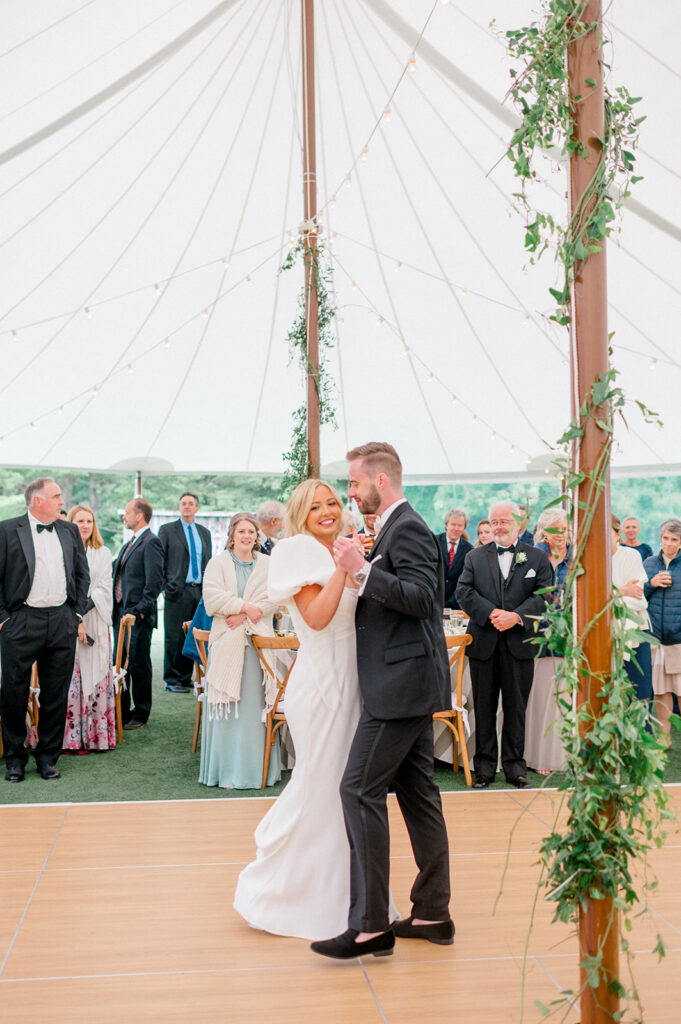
<point>361,574</point>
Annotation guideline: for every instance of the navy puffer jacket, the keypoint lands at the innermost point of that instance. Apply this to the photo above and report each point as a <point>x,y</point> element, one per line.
<point>664,603</point>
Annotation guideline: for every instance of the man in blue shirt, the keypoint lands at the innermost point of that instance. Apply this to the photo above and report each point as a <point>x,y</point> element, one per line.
<point>187,548</point>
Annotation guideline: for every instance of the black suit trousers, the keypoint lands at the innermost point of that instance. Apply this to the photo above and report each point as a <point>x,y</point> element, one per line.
<point>512,677</point>
<point>139,673</point>
<point>177,669</point>
<point>396,751</point>
<point>48,636</point>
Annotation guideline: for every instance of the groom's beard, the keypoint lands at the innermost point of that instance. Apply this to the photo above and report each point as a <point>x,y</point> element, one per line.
<point>371,503</point>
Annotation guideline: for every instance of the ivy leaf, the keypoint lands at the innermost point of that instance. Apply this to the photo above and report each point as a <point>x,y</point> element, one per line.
<point>544,1010</point>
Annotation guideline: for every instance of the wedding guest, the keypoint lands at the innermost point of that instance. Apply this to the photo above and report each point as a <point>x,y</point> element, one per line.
<point>138,579</point>
<point>501,589</point>
<point>629,578</point>
<point>235,594</point>
<point>44,582</point>
<point>187,549</point>
<point>544,750</point>
<point>454,547</point>
<point>663,593</point>
<point>525,534</point>
<point>351,523</point>
<point>200,621</point>
<point>369,532</point>
<point>630,529</point>
<point>484,532</point>
<point>269,518</point>
<point>91,711</point>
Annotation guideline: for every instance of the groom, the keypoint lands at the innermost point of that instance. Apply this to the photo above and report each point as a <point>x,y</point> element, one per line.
<point>403,677</point>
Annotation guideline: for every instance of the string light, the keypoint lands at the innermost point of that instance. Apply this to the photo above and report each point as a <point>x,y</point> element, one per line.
<point>526,321</point>
<point>205,313</point>
<point>474,419</point>
<point>398,267</point>
<point>88,313</point>
<point>411,66</point>
<point>430,378</point>
<point>291,238</point>
<point>60,409</point>
<point>511,450</point>
<point>166,342</point>
<point>348,182</point>
<point>157,289</point>
<point>15,336</point>
<point>225,262</point>
<point>332,204</point>
<point>493,435</point>
<point>354,286</point>
<point>129,367</point>
<point>365,155</point>
<point>464,292</point>
<point>388,115</point>
<point>406,351</point>
<point>379,321</point>
<point>95,390</point>
<point>653,365</point>
<point>453,399</point>
<point>33,426</point>
<point>249,281</point>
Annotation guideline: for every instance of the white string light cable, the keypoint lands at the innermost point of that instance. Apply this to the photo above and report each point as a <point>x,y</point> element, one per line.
<point>131,76</point>
<point>150,286</point>
<point>456,296</point>
<point>490,262</point>
<point>295,136</point>
<point>95,387</point>
<point>123,356</point>
<point>293,76</point>
<point>130,128</point>
<point>334,295</point>
<point>244,206</point>
<point>395,317</point>
<point>432,378</point>
<point>155,206</point>
<point>47,28</point>
<point>91,63</point>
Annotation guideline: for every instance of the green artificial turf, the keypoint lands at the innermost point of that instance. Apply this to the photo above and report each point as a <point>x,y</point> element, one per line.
<point>155,763</point>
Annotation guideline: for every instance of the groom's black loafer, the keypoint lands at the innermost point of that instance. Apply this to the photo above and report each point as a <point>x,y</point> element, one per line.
<point>344,947</point>
<point>441,933</point>
<point>520,782</point>
<point>483,781</point>
<point>14,773</point>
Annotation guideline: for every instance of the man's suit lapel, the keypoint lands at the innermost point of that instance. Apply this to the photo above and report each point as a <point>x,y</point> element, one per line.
<point>384,532</point>
<point>67,548</point>
<point>26,541</point>
<point>493,562</point>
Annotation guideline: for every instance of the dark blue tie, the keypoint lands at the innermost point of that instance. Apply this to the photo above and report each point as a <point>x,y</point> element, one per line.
<point>193,560</point>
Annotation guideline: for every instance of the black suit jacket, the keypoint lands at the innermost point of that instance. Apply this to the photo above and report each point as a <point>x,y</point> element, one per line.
<point>176,556</point>
<point>453,571</point>
<point>482,588</point>
<point>17,564</point>
<point>401,650</point>
<point>141,578</point>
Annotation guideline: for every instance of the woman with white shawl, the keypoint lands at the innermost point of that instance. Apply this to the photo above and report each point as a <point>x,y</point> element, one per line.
<point>235,594</point>
<point>91,714</point>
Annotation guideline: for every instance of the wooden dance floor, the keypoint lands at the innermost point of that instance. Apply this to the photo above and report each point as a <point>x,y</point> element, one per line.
<point>123,913</point>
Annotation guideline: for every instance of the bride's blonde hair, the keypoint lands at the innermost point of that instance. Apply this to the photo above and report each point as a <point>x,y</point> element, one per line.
<point>299,505</point>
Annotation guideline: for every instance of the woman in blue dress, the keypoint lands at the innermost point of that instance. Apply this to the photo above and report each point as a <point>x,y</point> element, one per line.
<point>235,594</point>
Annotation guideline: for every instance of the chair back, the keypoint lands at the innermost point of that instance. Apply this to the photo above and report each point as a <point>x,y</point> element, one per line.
<point>278,673</point>
<point>201,637</point>
<point>456,649</point>
<point>124,631</point>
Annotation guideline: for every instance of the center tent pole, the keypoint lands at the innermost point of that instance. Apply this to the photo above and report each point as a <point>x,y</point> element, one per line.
<point>310,237</point>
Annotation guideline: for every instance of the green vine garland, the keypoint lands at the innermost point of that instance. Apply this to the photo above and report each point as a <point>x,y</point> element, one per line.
<point>297,457</point>
<point>614,789</point>
<point>541,93</point>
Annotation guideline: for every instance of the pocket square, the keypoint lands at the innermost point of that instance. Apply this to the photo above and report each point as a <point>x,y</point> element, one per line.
<point>529,574</point>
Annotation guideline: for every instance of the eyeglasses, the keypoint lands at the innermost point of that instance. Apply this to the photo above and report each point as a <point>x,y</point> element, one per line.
<point>501,522</point>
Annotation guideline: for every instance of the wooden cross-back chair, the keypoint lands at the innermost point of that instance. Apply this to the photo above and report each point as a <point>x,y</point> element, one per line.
<point>121,667</point>
<point>453,718</point>
<point>279,674</point>
<point>201,639</point>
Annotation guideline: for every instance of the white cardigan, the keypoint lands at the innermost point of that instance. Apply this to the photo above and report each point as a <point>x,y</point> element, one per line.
<point>95,661</point>
<point>227,646</point>
<point>627,565</point>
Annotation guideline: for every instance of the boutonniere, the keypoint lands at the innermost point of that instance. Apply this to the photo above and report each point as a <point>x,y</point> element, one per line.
<point>520,558</point>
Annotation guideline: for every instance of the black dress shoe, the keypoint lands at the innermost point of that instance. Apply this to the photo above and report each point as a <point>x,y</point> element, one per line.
<point>14,773</point>
<point>177,688</point>
<point>441,933</point>
<point>134,723</point>
<point>49,771</point>
<point>344,947</point>
<point>520,782</point>
<point>483,782</point>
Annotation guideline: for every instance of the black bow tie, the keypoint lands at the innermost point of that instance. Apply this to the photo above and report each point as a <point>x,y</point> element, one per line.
<point>504,551</point>
<point>42,526</point>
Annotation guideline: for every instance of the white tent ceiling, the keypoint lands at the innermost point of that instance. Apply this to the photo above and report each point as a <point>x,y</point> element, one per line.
<point>151,175</point>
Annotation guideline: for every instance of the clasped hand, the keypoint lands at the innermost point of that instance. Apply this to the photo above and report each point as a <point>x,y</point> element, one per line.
<point>248,611</point>
<point>348,553</point>
<point>503,620</point>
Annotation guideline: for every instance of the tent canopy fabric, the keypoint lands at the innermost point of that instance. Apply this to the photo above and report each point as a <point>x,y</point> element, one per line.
<point>151,186</point>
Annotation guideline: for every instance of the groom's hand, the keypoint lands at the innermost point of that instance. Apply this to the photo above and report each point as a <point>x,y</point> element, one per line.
<point>346,555</point>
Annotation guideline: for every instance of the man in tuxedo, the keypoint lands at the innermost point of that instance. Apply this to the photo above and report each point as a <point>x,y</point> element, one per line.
<point>138,579</point>
<point>44,582</point>
<point>269,518</point>
<point>525,535</point>
<point>500,589</point>
<point>403,678</point>
<point>187,548</point>
<point>453,548</point>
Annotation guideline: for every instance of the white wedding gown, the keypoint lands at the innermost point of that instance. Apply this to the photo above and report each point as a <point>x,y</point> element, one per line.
<point>299,883</point>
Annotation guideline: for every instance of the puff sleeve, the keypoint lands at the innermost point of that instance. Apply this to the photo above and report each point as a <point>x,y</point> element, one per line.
<point>297,562</point>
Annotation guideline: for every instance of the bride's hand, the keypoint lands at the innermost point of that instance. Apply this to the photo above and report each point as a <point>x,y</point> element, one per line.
<point>347,556</point>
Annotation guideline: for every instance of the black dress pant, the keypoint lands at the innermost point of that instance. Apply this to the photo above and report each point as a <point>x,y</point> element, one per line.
<point>139,673</point>
<point>512,677</point>
<point>395,752</point>
<point>48,636</point>
<point>178,669</point>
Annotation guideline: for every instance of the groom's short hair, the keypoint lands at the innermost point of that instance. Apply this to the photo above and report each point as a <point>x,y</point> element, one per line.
<point>378,457</point>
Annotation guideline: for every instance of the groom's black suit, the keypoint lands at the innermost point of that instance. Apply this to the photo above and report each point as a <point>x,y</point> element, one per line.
<point>403,677</point>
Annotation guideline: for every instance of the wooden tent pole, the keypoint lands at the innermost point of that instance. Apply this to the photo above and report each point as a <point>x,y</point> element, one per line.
<point>598,924</point>
<point>310,237</point>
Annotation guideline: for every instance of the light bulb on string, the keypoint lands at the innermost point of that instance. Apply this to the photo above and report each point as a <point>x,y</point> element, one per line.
<point>430,378</point>
<point>88,313</point>
<point>348,182</point>
<point>95,390</point>
<point>474,418</point>
<point>205,313</point>
<point>388,115</point>
<point>379,321</point>
<point>653,365</point>
<point>526,321</point>
<point>464,292</point>
<point>405,351</point>
<point>332,204</point>
<point>493,435</point>
<point>453,399</point>
<point>353,285</point>
<point>157,289</point>
<point>411,66</point>
<point>511,450</point>
<point>129,367</point>
<point>398,267</point>
<point>249,281</point>
<point>33,426</point>
<point>225,263</point>
<point>60,410</point>
<point>365,155</point>
<point>15,336</point>
<point>166,342</point>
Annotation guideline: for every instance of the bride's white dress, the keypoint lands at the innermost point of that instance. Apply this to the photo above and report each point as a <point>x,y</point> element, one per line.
<point>299,883</point>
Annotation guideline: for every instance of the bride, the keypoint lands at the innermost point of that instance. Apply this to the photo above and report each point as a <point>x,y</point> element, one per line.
<point>299,883</point>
